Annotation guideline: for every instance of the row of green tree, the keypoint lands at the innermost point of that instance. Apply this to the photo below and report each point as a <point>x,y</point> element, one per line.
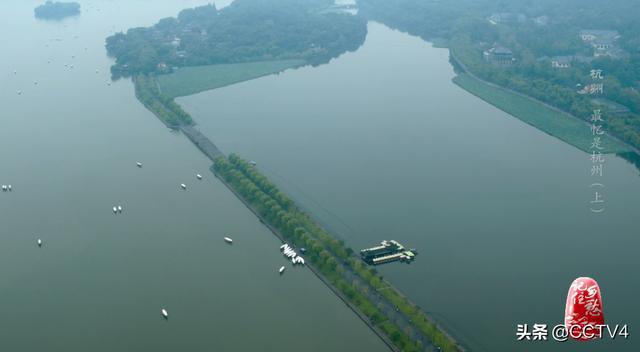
<point>326,253</point>
<point>165,108</point>
<point>246,30</point>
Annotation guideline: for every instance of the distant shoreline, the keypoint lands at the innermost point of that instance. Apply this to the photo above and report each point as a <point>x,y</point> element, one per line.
<point>619,146</point>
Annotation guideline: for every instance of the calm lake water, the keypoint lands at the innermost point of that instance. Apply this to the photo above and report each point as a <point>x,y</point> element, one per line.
<point>380,144</point>
<point>68,146</point>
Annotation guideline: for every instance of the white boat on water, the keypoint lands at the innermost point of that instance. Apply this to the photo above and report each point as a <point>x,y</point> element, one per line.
<point>183,186</point>
<point>119,208</point>
<point>228,240</point>
<point>115,210</point>
<point>281,270</point>
<point>4,187</point>
<point>165,314</point>
<point>39,242</point>
<point>10,188</point>
<point>199,177</point>
<point>139,164</point>
<point>282,247</point>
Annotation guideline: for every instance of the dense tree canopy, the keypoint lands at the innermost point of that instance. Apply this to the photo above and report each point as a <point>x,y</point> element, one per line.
<point>247,30</point>
<point>57,10</point>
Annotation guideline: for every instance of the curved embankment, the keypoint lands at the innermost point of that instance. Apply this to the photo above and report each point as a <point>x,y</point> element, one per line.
<point>544,117</point>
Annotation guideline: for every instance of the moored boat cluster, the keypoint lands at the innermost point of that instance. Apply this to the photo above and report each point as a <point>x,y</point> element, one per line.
<point>291,254</point>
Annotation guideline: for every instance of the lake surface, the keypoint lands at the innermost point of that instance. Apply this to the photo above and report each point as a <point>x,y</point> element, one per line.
<point>380,144</point>
<point>69,146</point>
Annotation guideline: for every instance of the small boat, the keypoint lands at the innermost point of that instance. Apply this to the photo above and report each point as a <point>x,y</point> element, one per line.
<point>253,163</point>
<point>10,188</point>
<point>228,240</point>
<point>115,210</point>
<point>119,208</point>
<point>139,164</point>
<point>281,270</point>
<point>4,188</point>
<point>19,92</point>
<point>183,186</point>
<point>282,247</point>
<point>165,314</point>
<point>199,177</point>
<point>39,242</point>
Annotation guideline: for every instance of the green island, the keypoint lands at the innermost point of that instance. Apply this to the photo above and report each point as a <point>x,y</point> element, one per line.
<point>206,48</point>
<point>544,50</point>
<point>245,31</point>
<point>57,10</point>
<point>331,258</point>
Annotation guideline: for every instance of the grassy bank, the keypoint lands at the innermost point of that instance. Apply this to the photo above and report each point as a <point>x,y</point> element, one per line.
<point>550,121</point>
<point>196,79</point>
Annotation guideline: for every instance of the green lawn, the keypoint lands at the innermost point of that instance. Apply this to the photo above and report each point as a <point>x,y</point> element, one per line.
<point>191,80</point>
<point>563,127</point>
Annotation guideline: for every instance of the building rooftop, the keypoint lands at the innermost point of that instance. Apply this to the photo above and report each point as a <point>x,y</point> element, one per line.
<point>601,34</point>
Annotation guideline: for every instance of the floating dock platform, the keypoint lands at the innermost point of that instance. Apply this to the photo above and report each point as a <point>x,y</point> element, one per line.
<point>386,252</point>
